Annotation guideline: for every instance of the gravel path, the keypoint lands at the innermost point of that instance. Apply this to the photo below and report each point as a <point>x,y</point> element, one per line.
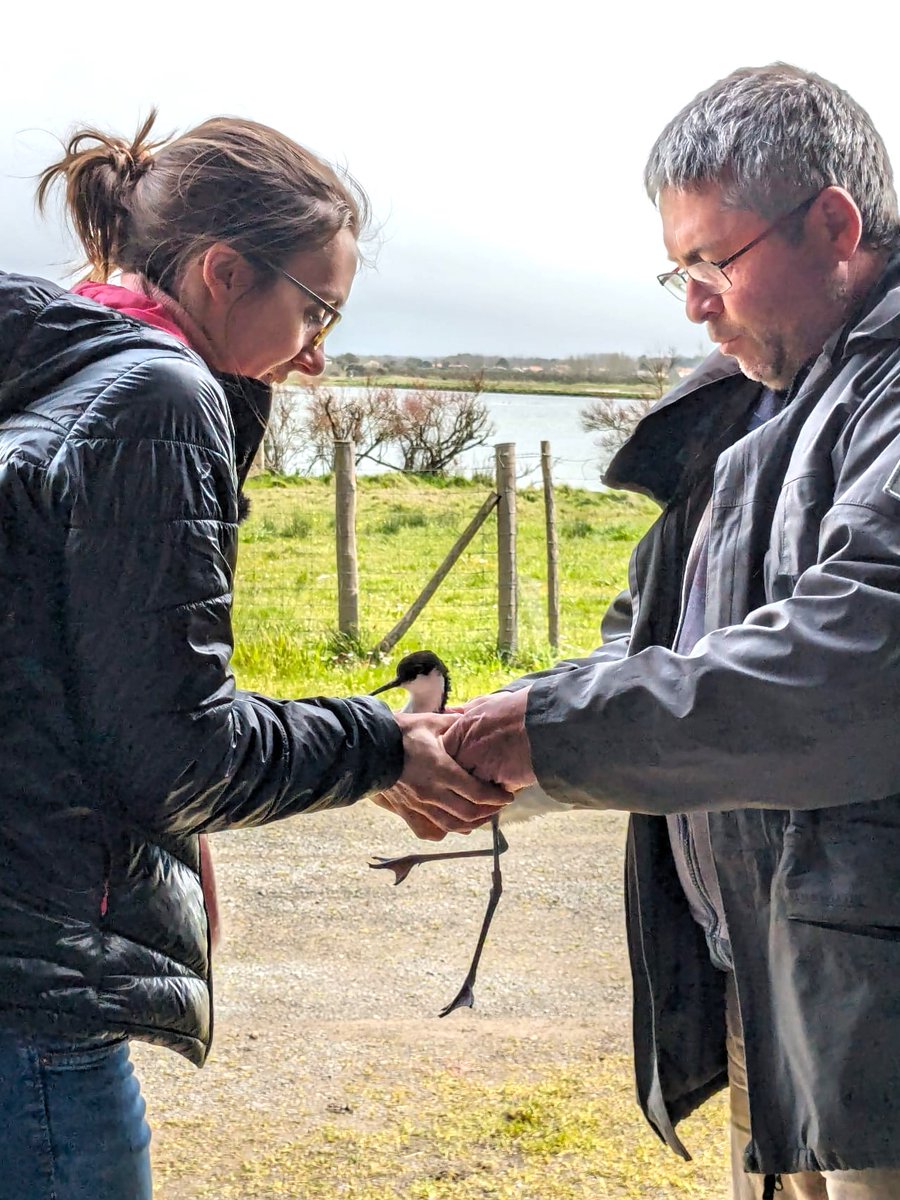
<point>329,980</point>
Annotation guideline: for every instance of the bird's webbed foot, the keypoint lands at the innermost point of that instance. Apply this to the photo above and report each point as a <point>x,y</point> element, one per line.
<point>400,866</point>
<point>464,998</point>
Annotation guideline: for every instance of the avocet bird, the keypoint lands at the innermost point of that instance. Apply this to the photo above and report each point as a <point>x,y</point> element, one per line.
<point>427,681</point>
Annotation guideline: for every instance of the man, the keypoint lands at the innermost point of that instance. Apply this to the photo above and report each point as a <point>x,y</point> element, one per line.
<point>744,705</point>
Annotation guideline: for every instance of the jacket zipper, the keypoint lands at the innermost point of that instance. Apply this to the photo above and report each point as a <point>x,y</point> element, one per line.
<point>209,961</point>
<point>689,848</point>
<point>107,871</point>
<point>703,530</point>
<point>634,591</point>
<point>682,607</point>
<point>688,843</point>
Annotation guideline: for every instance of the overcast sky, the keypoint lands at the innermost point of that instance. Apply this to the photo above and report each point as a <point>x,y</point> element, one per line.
<point>501,144</point>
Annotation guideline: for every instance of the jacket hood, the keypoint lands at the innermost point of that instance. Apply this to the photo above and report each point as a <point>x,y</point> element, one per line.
<point>705,410</point>
<point>248,399</point>
<point>48,334</point>
<point>133,304</point>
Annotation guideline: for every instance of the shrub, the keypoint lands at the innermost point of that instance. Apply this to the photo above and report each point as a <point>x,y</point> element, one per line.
<point>296,526</point>
<point>577,529</point>
<point>401,520</point>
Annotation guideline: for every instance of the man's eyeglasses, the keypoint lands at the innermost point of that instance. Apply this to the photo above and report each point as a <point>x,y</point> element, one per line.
<point>711,275</point>
<point>326,319</point>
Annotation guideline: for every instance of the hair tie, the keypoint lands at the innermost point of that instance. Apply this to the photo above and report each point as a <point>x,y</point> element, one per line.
<point>131,164</point>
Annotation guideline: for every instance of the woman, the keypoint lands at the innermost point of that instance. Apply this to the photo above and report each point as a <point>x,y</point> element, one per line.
<point>129,416</point>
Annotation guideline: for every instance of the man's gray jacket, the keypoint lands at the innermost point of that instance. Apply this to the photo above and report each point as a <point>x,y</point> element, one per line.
<point>782,723</point>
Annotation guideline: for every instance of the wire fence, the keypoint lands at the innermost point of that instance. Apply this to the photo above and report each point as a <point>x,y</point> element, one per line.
<point>405,527</point>
<point>288,574</point>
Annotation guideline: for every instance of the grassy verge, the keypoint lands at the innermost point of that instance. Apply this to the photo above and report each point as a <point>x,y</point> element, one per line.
<point>568,1136</point>
<point>515,386</point>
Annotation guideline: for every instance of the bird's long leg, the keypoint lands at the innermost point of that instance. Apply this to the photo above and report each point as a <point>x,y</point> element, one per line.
<point>465,997</point>
<point>403,865</point>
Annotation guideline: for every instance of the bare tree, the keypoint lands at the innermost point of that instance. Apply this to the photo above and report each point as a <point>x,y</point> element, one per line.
<point>658,369</point>
<point>614,420</point>
<point>365,417</point>
<point>284,437</point>
<point>420,430</point>
<point>432,428</point>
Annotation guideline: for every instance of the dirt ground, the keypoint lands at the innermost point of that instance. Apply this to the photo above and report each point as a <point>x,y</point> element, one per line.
<point>329,981</point>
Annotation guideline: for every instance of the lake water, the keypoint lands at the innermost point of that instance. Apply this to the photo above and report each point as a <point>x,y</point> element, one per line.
<point>528,420</point>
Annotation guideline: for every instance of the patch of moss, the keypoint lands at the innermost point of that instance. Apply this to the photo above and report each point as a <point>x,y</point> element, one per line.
<point>573,1134</point>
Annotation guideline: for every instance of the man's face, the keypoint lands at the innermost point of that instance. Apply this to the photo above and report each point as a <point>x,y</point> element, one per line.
<point>784,299</point>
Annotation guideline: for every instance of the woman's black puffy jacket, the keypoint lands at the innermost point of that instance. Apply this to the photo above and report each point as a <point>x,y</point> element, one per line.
<point>123,734</point>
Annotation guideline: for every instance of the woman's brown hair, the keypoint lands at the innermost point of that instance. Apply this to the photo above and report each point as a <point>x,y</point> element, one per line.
<point>151,206</point>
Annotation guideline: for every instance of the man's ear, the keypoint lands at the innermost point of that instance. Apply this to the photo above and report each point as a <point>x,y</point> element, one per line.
<point>838,222</point>
<point>225,272</point>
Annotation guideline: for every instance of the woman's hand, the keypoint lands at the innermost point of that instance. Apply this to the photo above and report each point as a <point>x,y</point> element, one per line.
<point>434,794</point>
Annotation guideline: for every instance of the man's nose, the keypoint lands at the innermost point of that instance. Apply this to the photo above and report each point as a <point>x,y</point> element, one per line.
<point>701,303</point>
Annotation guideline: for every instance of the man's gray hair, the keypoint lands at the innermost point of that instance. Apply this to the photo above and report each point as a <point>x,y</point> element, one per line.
<point>770,137</point>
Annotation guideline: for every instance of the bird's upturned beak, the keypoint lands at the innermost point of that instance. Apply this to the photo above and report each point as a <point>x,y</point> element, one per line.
<point>385,687</point>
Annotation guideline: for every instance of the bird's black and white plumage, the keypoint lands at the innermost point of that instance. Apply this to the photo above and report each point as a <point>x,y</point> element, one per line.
<point>427,680</point>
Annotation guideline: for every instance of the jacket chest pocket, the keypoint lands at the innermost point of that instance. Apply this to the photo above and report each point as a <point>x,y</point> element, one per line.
<point>794,543</point>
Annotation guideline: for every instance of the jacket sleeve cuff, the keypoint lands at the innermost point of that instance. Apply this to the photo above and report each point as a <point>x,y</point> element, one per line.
<point>387,762</point>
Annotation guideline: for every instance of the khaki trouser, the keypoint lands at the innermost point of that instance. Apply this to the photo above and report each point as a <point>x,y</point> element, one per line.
<point>804,1185</point>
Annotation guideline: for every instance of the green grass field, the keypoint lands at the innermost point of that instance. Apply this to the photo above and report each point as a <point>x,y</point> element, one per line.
<point>286,592</point>
<point>515,385</point>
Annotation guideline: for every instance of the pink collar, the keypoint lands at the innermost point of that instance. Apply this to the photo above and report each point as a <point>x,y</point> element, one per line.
<point>136,297</point>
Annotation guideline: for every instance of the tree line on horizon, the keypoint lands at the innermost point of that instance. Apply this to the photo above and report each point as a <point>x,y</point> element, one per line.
<point>606,367</point>
<point>420,430</point>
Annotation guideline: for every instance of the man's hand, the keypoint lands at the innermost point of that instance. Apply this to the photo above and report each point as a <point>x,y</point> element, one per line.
<point>434,795</point>
<point>488,738</point>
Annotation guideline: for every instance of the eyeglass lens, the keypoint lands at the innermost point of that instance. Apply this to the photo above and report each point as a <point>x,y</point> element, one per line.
<point>707,274</point>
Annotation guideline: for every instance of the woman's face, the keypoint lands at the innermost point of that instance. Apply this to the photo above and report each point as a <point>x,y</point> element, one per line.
<point>265,333</point>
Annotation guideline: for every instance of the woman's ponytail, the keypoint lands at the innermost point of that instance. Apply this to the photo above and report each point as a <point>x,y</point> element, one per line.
<point>100,173</point>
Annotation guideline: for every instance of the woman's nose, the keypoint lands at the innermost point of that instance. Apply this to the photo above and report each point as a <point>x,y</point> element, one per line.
<point>700,303</point>
<point>310,361</point>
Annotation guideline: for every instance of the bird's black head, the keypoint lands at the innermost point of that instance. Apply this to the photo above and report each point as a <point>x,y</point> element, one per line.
<point>420,662</point>
<point>411,666</point>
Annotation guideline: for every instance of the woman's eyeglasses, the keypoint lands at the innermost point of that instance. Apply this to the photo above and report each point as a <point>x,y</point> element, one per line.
<point>329,316</point>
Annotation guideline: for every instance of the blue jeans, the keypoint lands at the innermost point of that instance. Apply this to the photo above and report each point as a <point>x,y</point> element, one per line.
<point>71,1121</point>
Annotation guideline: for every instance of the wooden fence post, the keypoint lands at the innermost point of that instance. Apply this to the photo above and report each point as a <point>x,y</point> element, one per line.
<point>345,538</point>
<point>391,639</point>
<point>507,582</point>
<point>552,550</point>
